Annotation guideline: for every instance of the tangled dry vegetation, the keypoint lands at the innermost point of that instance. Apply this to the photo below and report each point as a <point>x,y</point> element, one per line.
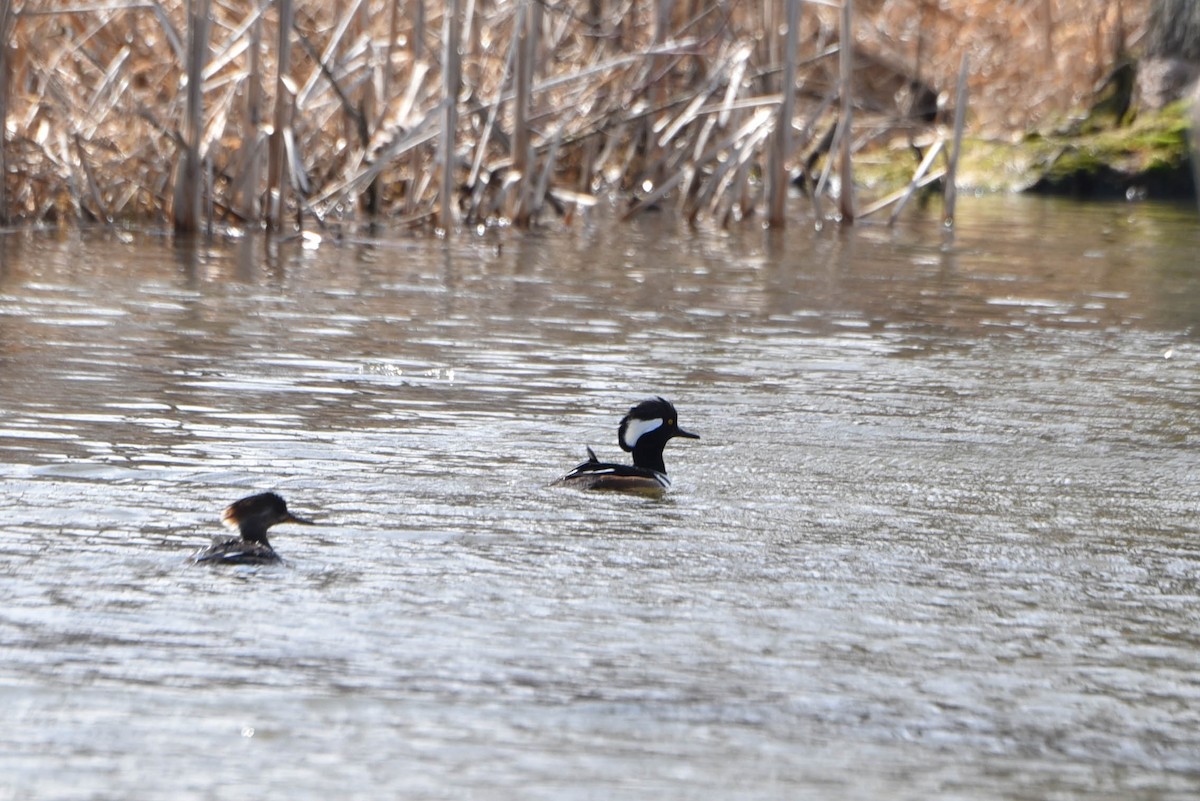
<point>648,103</point>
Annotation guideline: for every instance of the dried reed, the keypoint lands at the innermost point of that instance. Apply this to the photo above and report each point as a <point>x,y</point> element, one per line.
<point>451,83</point>
<point>189,180</point>
<point>846,116</point>
<point>782,145</point>
<point>277,175</point>
<point>960,116</point>
<point>524,48</point>
<point>526,109</point>
<point>5,28</point>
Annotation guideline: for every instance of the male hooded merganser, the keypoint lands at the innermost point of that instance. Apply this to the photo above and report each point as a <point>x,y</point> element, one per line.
<point>644,432</point>
<point>252,517</point>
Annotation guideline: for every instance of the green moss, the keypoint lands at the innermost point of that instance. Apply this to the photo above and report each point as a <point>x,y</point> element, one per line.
<point>1151,153</point>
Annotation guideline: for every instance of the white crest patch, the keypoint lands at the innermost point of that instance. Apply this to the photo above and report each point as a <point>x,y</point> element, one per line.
<point>635,428</point>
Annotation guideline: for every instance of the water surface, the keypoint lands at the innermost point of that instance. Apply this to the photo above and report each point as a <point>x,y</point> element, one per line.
<point>938,539</point>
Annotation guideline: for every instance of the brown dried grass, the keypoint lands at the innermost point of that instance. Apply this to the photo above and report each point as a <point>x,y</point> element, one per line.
<point>621,102</point>
<point>1031,60</point>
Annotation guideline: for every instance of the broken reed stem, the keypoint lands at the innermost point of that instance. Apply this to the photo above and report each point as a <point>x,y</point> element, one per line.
<point>960,117</point>
<point>412,165</point>
<point>658,71</point>
<point>845,77</point>
<point>369,99</point>
<point>522,156</point>
<point>918,180</point>
<point>418,37</point>
<point>5,30</point>
<point>277,180</point>
<point>246,198</point>
<point>451,82</point>
<point>901,197</point>
<point>189,182</point>
<point>781,146</point>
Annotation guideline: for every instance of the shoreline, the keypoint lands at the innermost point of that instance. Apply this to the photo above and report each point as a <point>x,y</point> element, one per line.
<point>341,118</point>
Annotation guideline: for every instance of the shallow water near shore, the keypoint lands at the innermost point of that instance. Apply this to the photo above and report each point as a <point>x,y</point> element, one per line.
<point>939,539</point>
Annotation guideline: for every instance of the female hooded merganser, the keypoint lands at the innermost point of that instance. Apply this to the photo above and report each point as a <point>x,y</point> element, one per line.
<point>644,432</point>
<point>252,517</point>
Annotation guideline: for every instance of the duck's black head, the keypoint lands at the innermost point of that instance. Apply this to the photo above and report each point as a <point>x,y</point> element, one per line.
<point>252,516</point>
<point>646,430</point>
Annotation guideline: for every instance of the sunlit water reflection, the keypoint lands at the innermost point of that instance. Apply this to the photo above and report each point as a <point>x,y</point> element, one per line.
<point>938,539</point>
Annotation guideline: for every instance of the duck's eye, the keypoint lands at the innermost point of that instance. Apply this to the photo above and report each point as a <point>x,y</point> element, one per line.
<point>670,422</point>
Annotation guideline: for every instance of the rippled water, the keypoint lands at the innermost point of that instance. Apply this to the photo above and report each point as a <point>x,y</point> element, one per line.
<point>938,540</point>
